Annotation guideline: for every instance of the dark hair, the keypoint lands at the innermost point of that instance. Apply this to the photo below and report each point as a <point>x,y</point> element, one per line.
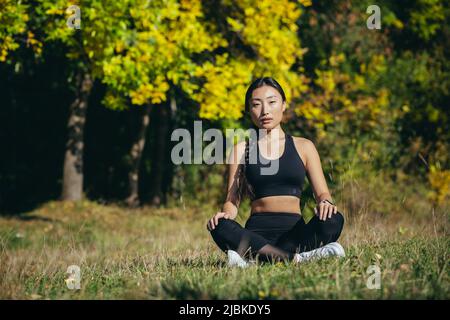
<point>243,186</point>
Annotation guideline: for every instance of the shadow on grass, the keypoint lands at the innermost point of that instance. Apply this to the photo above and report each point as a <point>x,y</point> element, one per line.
<point>28,217</point>
<point>197,262</point>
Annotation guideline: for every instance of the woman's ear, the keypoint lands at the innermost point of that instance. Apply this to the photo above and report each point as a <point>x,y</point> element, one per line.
<point>283,108</point>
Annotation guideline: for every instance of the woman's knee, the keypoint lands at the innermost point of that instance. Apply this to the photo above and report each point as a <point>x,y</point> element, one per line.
<point>338,219</point>
<point>334,224</point>
<point>224,225</point>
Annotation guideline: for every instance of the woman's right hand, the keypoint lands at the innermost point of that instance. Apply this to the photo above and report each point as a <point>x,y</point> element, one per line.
<point>214,221</point>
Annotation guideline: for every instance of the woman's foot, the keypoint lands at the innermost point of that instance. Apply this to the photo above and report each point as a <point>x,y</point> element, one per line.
<point>234,259</point>
<point>332,249</point>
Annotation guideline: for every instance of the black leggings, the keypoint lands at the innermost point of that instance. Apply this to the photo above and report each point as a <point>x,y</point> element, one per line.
<point>276,235</point>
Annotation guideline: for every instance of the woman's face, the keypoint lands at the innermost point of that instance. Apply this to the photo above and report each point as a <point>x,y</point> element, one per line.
<point>266,103</point>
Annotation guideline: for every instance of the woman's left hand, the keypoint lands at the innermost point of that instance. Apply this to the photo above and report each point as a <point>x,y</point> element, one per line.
<point>325,209</point>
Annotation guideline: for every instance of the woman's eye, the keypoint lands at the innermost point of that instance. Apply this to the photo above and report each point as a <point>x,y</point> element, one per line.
<point>272,101</point>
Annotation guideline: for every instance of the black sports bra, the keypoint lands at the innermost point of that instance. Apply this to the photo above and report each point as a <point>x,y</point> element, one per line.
<point>287,180</point>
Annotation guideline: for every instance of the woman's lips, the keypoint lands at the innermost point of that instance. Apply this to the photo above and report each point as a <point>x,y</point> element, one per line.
<point>266,120</point>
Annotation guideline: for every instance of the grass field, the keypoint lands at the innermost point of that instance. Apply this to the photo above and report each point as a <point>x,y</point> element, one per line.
<point>167,254</point>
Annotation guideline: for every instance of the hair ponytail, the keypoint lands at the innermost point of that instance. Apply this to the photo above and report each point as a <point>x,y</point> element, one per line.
<point>244,188</point>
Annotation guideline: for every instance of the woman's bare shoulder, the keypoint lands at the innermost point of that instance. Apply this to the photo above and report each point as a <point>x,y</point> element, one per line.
<point>304,147</point>
<point>302,142</point>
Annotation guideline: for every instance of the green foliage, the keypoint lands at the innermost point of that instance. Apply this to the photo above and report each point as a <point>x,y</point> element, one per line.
<point>262,37</point>
<point>426,17</point>
<point>14,30</point>
<point>374,97</point>
<point>158,51</point>
<point>370,99</point>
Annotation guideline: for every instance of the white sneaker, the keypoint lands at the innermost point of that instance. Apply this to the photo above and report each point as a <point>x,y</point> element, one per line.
<point>328,250</point>
<point>234,259</point>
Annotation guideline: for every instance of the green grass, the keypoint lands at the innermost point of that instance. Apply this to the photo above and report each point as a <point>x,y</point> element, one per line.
<point>168,254</point>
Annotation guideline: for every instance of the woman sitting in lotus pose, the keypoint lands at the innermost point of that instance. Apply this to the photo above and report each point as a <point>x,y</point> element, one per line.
<point>275,229</point>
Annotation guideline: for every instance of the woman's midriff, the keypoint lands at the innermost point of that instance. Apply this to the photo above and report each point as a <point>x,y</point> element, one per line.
<point>276,204</point>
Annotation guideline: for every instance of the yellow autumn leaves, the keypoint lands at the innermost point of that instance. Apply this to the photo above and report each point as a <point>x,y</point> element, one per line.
<point>138,48</point>
<point>440,184</point>
<point>154,92</point>
<point>269,29</point>
<point>166,36</point>
<point>342,96</point>
<point>13,19</point>
<point>169,36</point>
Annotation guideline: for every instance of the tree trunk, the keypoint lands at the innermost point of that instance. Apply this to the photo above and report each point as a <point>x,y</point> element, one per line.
<point>72,188</point>
<point>159,155</point>
<point>169,166</point>
<point>136,156</point>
